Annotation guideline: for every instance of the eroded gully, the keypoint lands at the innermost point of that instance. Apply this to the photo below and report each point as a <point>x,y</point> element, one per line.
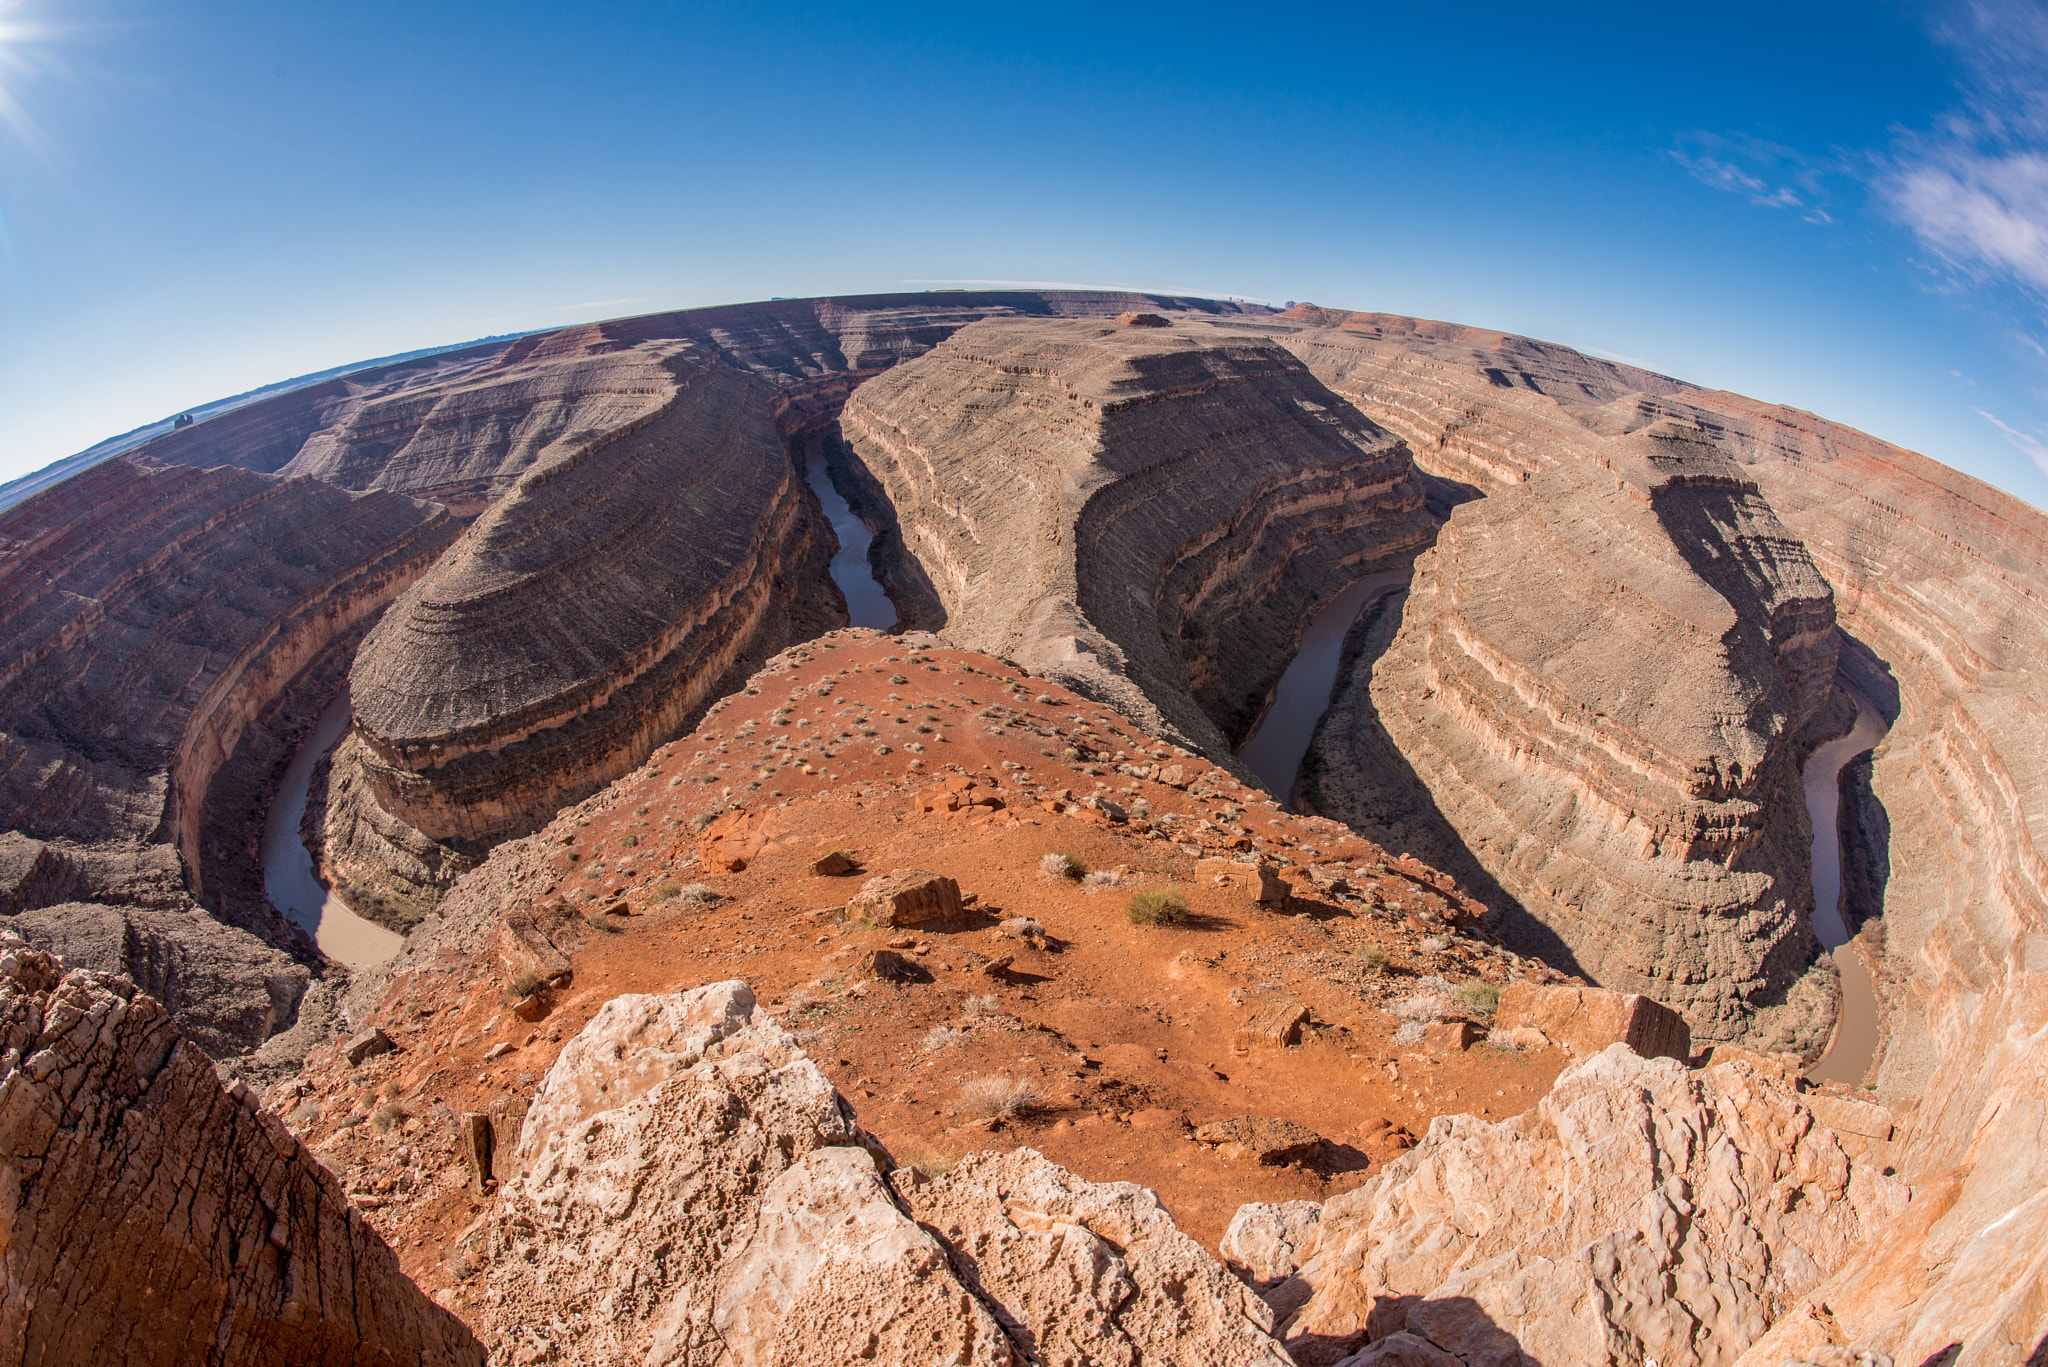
<point>288,866</point>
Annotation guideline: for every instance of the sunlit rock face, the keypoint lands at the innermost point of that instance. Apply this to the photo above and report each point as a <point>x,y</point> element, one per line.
<point>1149,512</point>
<point>590,610</point>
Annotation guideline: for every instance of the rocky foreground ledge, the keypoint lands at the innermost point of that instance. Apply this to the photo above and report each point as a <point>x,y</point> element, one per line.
<point>687,1187</point>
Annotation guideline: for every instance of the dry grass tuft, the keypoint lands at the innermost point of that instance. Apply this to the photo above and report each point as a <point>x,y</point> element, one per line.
<point>1157,907</point>
<point>1062,866</point>
<point>999,1098</point>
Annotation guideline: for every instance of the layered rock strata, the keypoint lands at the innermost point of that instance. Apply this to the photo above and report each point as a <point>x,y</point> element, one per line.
<point>147,1215</point>
<point>463,427</point>
<point>1149,513</point>
<point>1640,1212</point>
<point>170,634</point>
<point>1939,585</point>
<point>590,612</point>
<point>691,1189</point>
<point>1598,683</point>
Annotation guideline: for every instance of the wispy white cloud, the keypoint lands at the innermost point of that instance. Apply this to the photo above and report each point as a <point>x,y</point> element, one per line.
<point>2034,447</point>
<point>1974,189</point>
<point>1765,173</point>
<point>1722,175</point>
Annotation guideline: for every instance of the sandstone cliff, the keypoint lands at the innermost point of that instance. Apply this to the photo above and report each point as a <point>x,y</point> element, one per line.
<point>169,634</point>
<point>1149,513</point>
<point>592,610</point>
<point>1598,681</point>
<point>149,1216</point>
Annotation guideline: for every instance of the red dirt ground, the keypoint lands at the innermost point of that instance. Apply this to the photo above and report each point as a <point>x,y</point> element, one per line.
<point>1124,1031</point>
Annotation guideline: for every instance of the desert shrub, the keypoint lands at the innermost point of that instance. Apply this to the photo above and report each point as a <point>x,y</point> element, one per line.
<point>999,1098</point>
<point>1479,997</point>
<point>703,819</point>
<point>604,921</point>
<point>1411,1032</point>
<point>666,891</point>
<point>898,679</point>
<point>939,1037</point>
<point>1434,1000</point>
<point>641,810</point>
<point>697,894</point>
<point>1157,907</point>
<point>386,1116</point>
<point>527,983</point>
<point>1373,958</point>
<point>1024,928</point>
<point>629,841</point>
<point>1101,878</point>
<point>1435,943</point>
<point>1062,866</point>
<point>978,1008</point>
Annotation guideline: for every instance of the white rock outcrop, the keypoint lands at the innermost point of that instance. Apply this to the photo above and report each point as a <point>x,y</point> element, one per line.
<point>1640,1211</point>
<point>691,1190</point>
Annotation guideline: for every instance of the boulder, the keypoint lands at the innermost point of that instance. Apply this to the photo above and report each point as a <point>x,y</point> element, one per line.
<point>1259,882</point>
<point>906,897</point>
<point>1083,1272</point>
<point>1585,1020</point>
<point>366,1045</point>
<point>892,967</point>
<point>524,948</point>
<point>152,1216</point>
<point>1451,1037</point>
<point>1263,1139</point>
<point>1265,1243</point>
<point>1274,1025</point>
<point>831,864</point>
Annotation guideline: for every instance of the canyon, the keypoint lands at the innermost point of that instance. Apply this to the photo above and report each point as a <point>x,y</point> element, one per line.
<point>1582,629</point>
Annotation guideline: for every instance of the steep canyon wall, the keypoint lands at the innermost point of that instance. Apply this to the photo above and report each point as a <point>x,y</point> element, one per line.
<point>1940,586</point>
<point>1149,512</point>
<point>169,635</point>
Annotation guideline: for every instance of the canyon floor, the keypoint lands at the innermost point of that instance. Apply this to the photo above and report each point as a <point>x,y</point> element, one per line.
<point>1124,1031</point>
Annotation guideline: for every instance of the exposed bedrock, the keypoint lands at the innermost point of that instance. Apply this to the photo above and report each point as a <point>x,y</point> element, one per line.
<point>591,611</point>
<point>1597,685</point>
<point>169,635</point>
<point>462,428</point>
<point>150,1215</point>
<point>1639,1212</point>
<point>689,1172</point>
<point>1149,513</point>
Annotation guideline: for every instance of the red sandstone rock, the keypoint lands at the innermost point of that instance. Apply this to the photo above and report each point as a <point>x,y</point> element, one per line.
<point>907,897</point>
<point>1585,1020</point>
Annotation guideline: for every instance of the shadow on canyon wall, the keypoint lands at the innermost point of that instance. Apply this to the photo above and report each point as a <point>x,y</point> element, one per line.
<point>1405,818</point>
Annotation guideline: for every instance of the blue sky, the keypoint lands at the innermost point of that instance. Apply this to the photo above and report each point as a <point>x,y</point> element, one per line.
<point>1843,207</point>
